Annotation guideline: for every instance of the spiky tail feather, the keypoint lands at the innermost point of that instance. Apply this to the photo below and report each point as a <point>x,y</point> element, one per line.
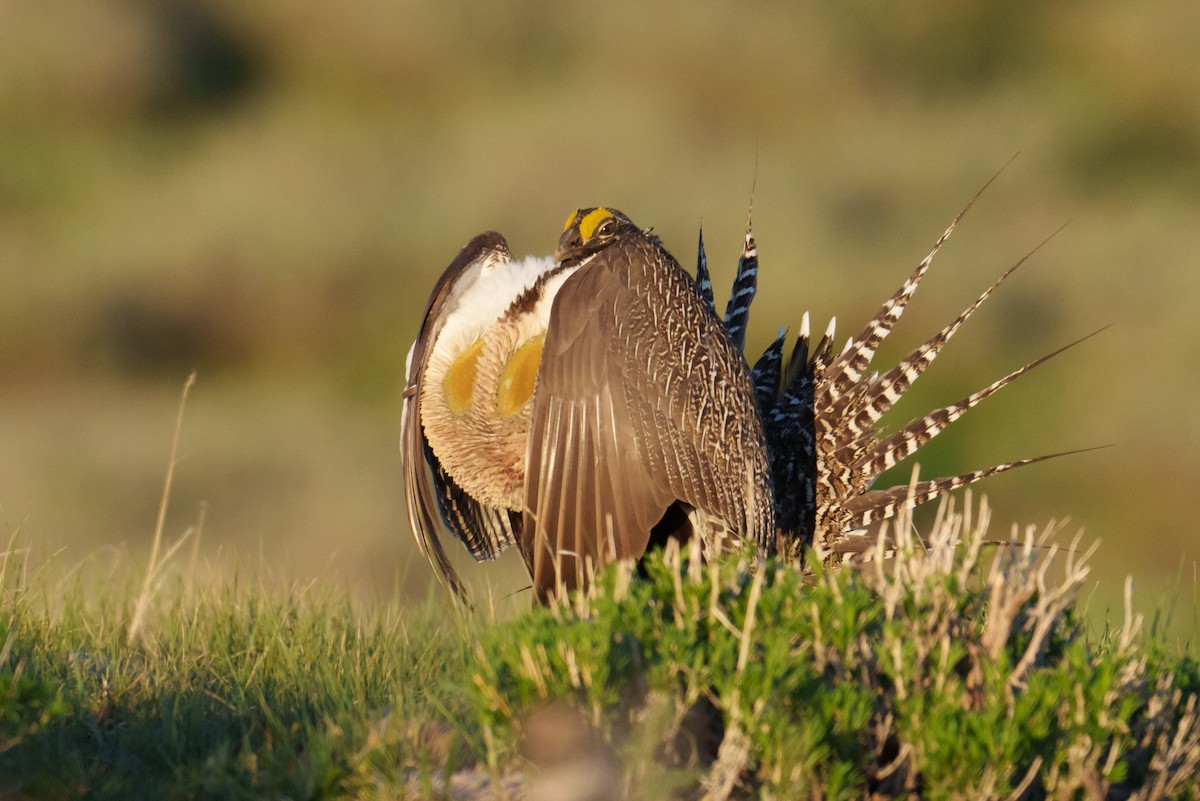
<point>703,279</point>
<point>891,450</point>
<point>879,504</point>
<point>745,284</point>
<point>862,409</point>
<point>820,415</point>
<point>767,374</point>
<point>847,369</point>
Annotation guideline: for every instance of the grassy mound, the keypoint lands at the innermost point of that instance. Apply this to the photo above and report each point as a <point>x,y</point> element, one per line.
<point>938,672</point>
<point>930,673</point>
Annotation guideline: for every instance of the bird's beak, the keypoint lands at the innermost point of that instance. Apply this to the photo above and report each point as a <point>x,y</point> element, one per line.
<point>568,244</point>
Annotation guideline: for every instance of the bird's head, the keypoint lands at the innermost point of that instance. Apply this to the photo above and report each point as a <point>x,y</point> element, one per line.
<point>591,230</point>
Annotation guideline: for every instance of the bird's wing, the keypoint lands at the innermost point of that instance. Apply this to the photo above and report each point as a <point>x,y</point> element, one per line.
<point>589,496</point>
<point>632,412</point>
<point>435,503</point>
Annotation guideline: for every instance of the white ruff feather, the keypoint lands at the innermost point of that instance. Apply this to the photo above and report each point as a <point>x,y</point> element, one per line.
<point>482,296</point>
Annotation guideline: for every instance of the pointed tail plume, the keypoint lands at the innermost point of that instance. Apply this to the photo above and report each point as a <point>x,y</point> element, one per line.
<point>745,284</point>
<point>703,279</point>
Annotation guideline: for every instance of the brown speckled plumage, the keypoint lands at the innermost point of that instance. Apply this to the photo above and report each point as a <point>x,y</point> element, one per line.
<point>642,403</point>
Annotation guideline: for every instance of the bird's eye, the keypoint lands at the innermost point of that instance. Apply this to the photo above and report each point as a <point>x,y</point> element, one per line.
<point>606,228</point>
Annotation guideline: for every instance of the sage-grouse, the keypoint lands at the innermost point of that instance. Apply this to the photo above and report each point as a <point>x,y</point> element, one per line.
<point>588,406</point>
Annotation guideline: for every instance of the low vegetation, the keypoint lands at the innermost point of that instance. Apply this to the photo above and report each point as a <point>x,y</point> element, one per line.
<point>951,669</point>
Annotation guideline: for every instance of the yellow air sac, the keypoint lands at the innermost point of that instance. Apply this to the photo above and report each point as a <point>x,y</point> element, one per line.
<point>518,377</point>
<point>459,383</point>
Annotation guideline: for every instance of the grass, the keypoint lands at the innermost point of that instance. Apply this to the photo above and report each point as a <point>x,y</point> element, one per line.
<point>939,672</point>
<point>230,692</point>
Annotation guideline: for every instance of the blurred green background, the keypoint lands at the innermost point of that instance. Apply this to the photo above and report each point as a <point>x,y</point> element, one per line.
<point>267,191</point>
